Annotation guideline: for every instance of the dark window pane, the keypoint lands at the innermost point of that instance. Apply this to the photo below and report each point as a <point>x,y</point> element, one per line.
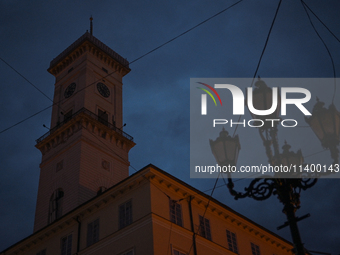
<point>204,227</point>
<point>67,116</point>
<point>66,245</point>
<point>93,232</point>
<point>103,117</point>
<point>125,214</point>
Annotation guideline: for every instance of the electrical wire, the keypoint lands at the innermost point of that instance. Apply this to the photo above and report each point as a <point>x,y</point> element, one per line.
<point>26,79</point>
<point>258,65</point>
<point>262,53</point>
<point>206,208</point>
<point>114,72</point>
<point>16,124</point>
<point>324,43</point>
<point>169,246</point>
<point>110,149</point>
<point>266,43</point>
<point>320,21</point>
<point>133,61</point>
<point>199,24</point>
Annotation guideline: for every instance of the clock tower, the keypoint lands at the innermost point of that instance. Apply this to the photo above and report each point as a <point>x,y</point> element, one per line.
<point>86,150</point>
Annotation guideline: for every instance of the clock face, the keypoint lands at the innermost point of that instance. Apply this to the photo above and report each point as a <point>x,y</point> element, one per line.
<point>103,89</point>
<point>70,90</point>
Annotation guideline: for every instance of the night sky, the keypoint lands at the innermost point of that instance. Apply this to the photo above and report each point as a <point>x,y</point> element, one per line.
<point>156,91</point>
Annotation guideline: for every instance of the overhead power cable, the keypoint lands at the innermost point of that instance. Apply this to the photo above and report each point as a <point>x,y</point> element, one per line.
<point>266,43</point>
<point>133,61</point>
<point>320,21</point>
<point>26,79</point>
<point>324,43</point>
<point>262,53</point>
<point>206,208</point>
<point>187,31</point>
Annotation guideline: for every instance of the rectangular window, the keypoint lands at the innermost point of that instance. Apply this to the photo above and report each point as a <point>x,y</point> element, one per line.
<point>93,232</point>
<point>232,244</point>
<point>175,212</point>
<point>125,214</point>
<point>103,117</point>
<point>60,165</point>
<point>176,252</point>
<point>42,252</point>
<point>68,116</point>
<point>55,206</point>
<point>66,245</point>
<point>255,249</point>
<point>204,227</point>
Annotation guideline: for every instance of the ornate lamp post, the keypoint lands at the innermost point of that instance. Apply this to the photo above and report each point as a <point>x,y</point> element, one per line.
<point>326,125</point>
<point>225,149</point>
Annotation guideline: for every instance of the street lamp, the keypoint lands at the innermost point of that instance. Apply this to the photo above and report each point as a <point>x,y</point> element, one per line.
<point>263,99</point>
<point>225,149</point>
<point>326,125</point>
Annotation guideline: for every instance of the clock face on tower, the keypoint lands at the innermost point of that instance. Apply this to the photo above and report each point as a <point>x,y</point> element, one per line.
<point>70,90</point>
<point>103,89</point>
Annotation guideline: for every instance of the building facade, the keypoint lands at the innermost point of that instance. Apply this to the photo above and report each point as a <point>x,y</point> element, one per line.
<point>86,150</point>
<point>88,204</point>
<point>152,212</point>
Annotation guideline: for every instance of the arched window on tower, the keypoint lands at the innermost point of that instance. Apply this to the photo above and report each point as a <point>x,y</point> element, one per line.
<point>55,208</point>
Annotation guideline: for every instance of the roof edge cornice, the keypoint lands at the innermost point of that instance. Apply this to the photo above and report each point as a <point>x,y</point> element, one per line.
<point>87,37</point>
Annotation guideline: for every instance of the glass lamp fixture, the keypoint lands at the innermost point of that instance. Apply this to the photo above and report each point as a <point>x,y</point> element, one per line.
<point>325,123</point>
<point>263,100</point>
<point>225,148</point>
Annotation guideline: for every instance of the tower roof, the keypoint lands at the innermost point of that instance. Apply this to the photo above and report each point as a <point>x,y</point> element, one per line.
<point>65,58</point>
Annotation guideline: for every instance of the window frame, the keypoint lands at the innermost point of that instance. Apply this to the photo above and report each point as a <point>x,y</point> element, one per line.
<point>176,213</point>
<point>255,249</point>
<point>232,245</point>
<point>92,234</point>
<point>68,248</point>
<point>204,231</point>
<point>127,217</point>
<point>68,115</point>
<point>55,208</point>
<point>103,116</point>
<point>180,252</point>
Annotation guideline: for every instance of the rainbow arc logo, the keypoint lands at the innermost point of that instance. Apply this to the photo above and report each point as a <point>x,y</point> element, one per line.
<point>204,97</point>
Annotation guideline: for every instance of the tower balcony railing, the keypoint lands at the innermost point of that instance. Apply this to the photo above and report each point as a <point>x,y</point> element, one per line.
<point>92,115</point>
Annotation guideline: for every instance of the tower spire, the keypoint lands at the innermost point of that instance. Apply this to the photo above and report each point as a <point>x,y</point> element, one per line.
<point>91,25</point>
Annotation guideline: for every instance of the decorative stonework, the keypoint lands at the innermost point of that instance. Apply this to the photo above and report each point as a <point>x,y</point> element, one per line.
<point>88,43</point>
<point>106,165</point>
<point>77,123</point>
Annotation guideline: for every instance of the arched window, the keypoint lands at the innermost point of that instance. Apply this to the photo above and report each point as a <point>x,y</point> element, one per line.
<point>55,208</point>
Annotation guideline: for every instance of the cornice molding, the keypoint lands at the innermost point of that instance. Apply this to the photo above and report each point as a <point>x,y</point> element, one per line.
<point>87,43</point>
<point>166,183</point>
<point>77,123</point>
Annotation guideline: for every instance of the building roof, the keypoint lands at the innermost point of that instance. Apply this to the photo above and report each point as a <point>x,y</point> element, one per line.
<point>150,173</point>
<point>90,38</point>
